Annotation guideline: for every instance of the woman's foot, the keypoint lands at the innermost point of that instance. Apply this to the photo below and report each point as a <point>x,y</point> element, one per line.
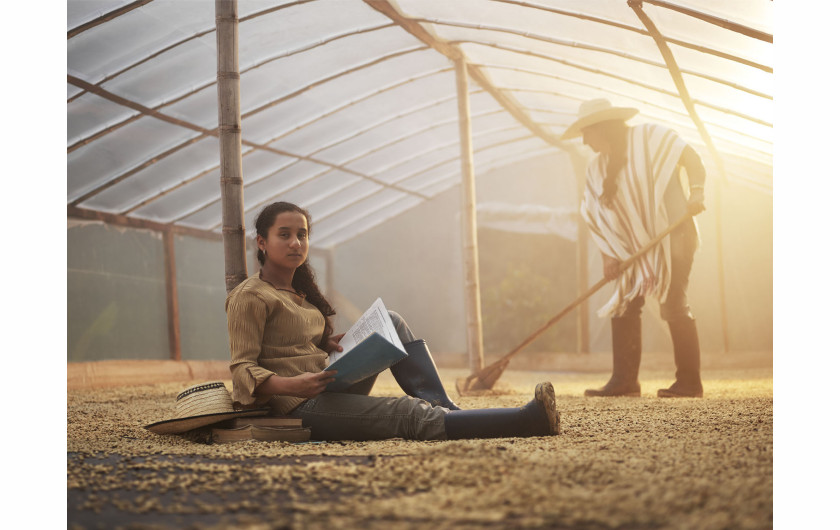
<point>544,395</point>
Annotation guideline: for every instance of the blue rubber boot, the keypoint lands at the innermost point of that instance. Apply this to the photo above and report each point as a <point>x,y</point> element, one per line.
<point>417,375</point>
<point>537,418</point>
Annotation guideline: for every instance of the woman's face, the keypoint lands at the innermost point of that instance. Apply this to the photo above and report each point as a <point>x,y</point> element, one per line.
<point>287,244</point>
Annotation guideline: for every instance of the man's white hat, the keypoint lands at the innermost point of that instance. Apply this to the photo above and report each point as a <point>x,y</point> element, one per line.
<point>595,111</point>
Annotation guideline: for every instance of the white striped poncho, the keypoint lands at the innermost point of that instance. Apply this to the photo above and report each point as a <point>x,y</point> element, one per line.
<point>637,214</point>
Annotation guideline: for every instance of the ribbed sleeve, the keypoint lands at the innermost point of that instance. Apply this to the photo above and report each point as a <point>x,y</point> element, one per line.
<point>270,332</point>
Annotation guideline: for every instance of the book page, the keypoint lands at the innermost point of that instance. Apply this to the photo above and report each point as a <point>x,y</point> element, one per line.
<point>374,320</point>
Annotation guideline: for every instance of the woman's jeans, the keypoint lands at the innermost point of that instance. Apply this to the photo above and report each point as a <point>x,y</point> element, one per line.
<point>354,415</point>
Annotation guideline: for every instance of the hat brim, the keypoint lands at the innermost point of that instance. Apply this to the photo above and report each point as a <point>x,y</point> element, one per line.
<point>181,425</point>
<point>613,113</point>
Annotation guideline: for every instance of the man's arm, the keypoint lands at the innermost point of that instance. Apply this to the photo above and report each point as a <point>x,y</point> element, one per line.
<point>696,172</point>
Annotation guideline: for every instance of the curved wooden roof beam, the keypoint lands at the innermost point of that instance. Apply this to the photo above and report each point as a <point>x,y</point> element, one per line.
<point>621,54</point>
<point>207,132</point>
<point>111,15</point>
<point>454,54</point>
<point>617,93</point>
<point>717,21</point>
<point>191,141</point>
<point>379,91</point>
<point>697,14</point>
<point>313,153</point>
<point>204,86</point>
<point>125,9</point>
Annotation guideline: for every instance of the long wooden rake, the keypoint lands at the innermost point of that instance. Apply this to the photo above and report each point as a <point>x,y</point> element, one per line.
<point>486,377</point>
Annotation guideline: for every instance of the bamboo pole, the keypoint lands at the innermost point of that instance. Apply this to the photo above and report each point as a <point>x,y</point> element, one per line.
<point>172,310</point>
<point>579,166</point>
<point>717,21</point>
<point>475,345</point>
<point>676,75</point>
<point>106,17</point>
<point>530,35</point>
<point>230,143</point>
<point>724,318</point>
<point>142,224</point>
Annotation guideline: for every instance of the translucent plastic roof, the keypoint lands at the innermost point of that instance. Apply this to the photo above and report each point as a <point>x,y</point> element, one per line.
<point>349,107</point>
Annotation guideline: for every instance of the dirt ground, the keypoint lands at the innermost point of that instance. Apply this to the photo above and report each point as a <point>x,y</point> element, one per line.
<point>625,463</point>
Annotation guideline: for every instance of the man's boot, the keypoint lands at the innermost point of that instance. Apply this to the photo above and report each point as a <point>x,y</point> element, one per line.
<point>627,356</point>
<point>537,418</point>
<point>686,357</point>
<point>417,375</point>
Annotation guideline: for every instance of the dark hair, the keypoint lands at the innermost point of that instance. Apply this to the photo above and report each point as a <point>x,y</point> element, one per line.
<point>304,277</point>
<point>616,134</point>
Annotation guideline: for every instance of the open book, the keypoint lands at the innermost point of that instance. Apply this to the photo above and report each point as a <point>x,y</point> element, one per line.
<point>370,346</point>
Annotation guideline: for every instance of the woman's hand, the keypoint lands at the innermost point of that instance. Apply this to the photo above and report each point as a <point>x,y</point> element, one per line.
<point>611,267</point>
<point>306,385</point>
<point>332,343</point>
<point>309,385</point>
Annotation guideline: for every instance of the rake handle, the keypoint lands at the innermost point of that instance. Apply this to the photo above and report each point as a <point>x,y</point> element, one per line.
<point>592,290</point>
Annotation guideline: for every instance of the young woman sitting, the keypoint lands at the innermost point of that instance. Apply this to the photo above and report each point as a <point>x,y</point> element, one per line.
<point>280,333</point>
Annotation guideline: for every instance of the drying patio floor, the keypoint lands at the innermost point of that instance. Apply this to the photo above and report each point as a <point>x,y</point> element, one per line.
<point>628,463</point>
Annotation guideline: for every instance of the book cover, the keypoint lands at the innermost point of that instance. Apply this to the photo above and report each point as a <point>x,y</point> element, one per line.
<point>267,421</point>
<point>261,433</point>
<point>224,436</point>
<point>280,434</point>
<point>370,356</point>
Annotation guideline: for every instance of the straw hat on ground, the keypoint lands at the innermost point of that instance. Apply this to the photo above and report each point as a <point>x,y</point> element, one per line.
<point>202,405</point>
<point>595,111</point>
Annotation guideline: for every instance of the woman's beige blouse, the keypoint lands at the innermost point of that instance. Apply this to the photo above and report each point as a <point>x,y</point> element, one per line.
<point>271,331</point>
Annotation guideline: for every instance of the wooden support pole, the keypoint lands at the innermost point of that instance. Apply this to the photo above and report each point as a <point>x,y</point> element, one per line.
<point>724,318</point>
<point>172,310</point>
<point>579,166</point>
<point>475,344</point>
<point>676,75</point>
<point>230,142</point>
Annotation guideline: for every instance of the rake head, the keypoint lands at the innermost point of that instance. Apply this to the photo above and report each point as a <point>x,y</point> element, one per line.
<point>481,380</point>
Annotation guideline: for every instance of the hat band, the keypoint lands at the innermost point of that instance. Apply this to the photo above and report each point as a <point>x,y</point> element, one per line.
<point>199,388</point>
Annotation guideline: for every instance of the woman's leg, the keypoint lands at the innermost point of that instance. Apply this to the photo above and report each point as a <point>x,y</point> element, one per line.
<point>417,374</point>
<point>339,416</point>
<point>363,387</point>
<point>537,418</point>
<point>403,331</point>
<point>335,416</point>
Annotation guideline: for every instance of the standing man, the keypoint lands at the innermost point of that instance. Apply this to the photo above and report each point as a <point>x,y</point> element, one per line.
<point>633,193</point>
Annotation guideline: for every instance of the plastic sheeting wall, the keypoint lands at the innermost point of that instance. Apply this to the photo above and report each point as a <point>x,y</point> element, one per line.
<point>200,273</point>
<point>116,294</point>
